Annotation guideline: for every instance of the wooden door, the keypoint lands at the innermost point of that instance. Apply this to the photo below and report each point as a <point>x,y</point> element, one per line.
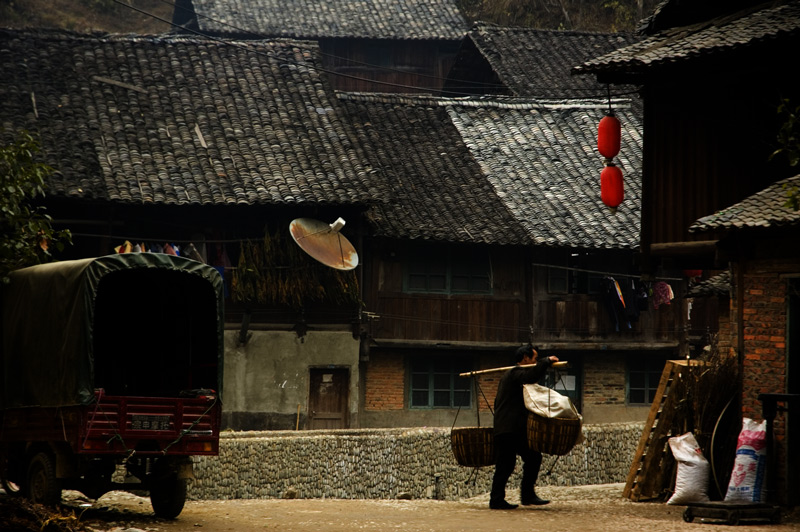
<point>327,399</point>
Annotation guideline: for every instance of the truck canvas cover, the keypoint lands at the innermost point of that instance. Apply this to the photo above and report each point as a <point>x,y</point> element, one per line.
<point>134,324</point>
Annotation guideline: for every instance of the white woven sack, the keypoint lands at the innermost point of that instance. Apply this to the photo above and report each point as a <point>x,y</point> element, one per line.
<point>691,483</point>
<point>750,466</point>
<point>547,402</point>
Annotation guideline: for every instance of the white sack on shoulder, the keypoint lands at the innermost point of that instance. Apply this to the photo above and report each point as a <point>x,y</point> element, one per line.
<point>547,402</point>
<point>691,484</point>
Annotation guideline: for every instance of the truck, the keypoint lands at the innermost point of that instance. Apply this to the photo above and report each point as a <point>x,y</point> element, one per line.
<point>110,377</point>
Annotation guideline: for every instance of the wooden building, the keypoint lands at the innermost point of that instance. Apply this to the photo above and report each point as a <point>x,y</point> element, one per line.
<point>713,78</point>
<point>372,46</point>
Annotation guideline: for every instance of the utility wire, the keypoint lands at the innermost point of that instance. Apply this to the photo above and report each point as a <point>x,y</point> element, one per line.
<point>332,56</point>
<point>266,54</point>
<point>453,90</point>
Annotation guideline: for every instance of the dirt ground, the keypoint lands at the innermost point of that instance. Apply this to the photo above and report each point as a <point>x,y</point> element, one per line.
<point>583,508</point>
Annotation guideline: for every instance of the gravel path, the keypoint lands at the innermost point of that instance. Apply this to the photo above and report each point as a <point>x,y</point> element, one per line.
<point>582,508</point>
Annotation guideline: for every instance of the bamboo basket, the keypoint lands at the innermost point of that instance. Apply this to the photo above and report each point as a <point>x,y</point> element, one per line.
<point>550,435</point>
<point>473,446</point>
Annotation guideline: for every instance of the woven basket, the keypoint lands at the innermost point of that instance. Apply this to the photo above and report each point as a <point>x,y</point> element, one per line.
<point>550,435</point>
<point>473,446</point>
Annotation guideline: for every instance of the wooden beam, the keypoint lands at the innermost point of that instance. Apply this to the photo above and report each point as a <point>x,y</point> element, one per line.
<point>684,248</point>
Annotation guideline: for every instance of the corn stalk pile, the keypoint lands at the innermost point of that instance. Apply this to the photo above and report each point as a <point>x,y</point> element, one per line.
<point>275,271</point>
<point>708,407</point>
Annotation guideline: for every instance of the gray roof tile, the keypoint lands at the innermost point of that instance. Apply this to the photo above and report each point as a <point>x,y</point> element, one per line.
<point>438,191</point>
<point>542,160</point>
<point>509,171</point>
<point>764,209</point>
<point>706,39</point>
<point>317,19</point>
<point>176,120</point>
<point>536,63</point>
<point>719,285</point>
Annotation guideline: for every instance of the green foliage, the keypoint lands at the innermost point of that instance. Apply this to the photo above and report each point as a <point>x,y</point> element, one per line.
<point>789,147</point>
<point>624,15</point>
<point>26,234</point>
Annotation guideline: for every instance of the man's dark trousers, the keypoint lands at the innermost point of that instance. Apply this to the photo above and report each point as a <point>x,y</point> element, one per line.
<point>506,448</point>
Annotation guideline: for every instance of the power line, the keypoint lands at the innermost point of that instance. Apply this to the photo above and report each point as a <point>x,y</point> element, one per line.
<point>265,54</point>
<point>333,56</point>
<point>452,89</point>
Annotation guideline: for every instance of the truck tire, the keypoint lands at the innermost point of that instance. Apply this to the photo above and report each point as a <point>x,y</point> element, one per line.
<point>168,496</point>
<point>42,486</point>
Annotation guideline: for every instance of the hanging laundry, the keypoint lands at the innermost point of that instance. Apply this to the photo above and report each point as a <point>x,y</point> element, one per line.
<point>642,297</point>
<point>615,303</point>
<point>629,294</point>
<point>124,248</point>
<point>169,250</point>
<point>192,253</point>
<point>662,294</point>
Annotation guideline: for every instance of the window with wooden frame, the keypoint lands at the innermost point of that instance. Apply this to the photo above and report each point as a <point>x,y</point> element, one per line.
<point>644,374</point>
<point>448,271</point>
<point>435,382</point>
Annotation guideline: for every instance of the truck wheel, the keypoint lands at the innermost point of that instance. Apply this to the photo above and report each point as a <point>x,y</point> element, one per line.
<point>168,497</point>
<point>43,486</point>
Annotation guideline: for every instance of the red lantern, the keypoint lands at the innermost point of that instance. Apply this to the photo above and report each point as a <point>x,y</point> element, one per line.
<point>692,274</point>
<point>608,136</point>
<point>612,190</point>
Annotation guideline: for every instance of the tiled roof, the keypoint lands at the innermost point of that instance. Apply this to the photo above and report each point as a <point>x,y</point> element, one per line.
<point>317,19</point>
<point>763,209</point>
<point>719,285</point>
<point>535,63</point>
<point>176,120</point>
<point>706,39</point>
<point>538,158</point>
<point>542,161</point>
<point>438,191</point>
<point>671,13</point>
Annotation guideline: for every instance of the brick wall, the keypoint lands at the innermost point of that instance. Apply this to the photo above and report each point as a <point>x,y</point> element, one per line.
<point>764,329</point>
<point>604,380</point>
<point>488,382</point>
<point>764,336</point>
<point>385,383</point>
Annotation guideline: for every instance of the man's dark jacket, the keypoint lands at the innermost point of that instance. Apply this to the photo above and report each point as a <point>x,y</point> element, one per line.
<point>510,414</point>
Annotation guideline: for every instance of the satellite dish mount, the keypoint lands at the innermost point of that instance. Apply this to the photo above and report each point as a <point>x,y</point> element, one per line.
<point>324,242</point>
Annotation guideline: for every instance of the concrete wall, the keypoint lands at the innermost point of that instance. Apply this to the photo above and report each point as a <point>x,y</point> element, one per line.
<point>387,463</point>
<point>265,381</point>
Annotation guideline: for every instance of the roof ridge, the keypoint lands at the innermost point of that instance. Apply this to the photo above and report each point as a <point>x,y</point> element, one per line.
<point>494,101</point>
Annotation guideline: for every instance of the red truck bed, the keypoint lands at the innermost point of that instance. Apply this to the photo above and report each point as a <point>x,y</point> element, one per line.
<point>119,425</point>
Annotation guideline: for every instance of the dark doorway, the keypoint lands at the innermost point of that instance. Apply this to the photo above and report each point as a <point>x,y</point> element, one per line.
<point>327,401</point>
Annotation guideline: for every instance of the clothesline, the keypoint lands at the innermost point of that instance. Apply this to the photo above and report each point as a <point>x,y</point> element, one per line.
<point>241,240</point>
<point>174,240</point>
<point>610,274</point>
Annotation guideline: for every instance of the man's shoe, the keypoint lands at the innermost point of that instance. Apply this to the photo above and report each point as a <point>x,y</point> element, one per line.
<point>534,501</point>
<point>502,505</point>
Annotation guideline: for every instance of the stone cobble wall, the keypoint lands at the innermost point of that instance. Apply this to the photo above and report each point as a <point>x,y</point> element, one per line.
<point>388,463</point>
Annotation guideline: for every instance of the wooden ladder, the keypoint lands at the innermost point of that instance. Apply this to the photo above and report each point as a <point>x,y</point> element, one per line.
<point>650,463</point>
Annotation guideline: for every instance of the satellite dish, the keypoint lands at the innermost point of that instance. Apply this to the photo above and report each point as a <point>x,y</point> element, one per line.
<point>324,242</point>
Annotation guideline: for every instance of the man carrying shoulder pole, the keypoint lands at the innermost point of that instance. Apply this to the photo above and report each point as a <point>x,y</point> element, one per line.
<point>510,430</point>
